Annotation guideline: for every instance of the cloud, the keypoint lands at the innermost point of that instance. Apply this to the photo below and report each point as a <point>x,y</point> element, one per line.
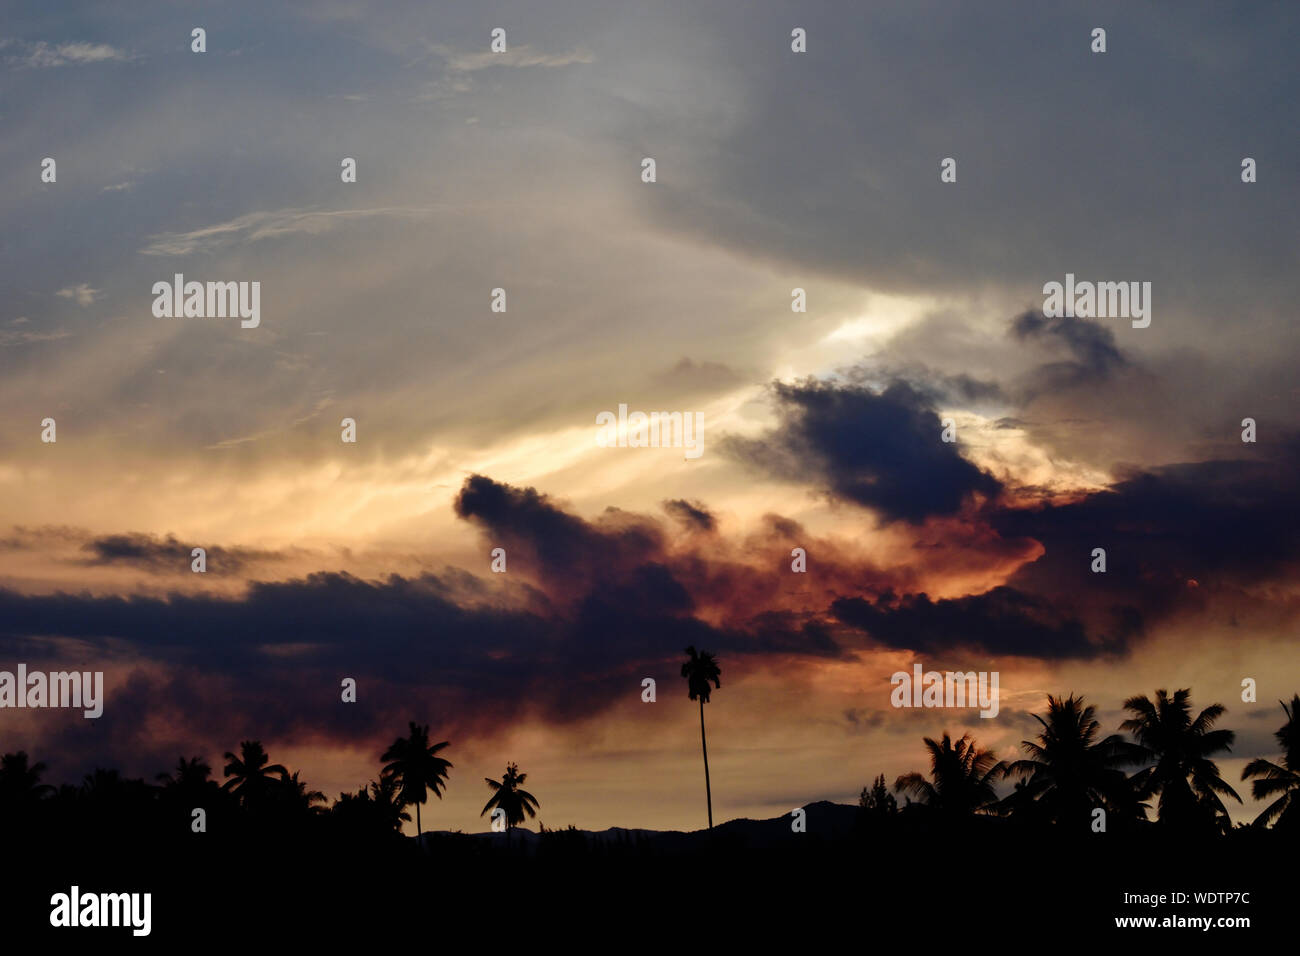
<point>571,555</point>
<point>693,515</point>
<point>1093,355</point>
<point>882,450</point>
<point>167,555</point>
<point>267,224</point>
<point>80,293</point>
<point>688,377</point>
<point>474,655</point>
<point>42,55</point>
<point>12,337</point>
<point>736,187</point>
<point>592,606</point>
<point>1001,621</point>
<point>517,56</point>
<point>1225,524</point>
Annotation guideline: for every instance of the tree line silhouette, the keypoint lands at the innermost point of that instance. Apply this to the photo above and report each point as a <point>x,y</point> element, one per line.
<point>260,792</point>
<point>1068,773</point>
<point>274,845</point>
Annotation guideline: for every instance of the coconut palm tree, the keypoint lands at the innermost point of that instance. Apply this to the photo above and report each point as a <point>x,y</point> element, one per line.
<point>509,796</point>
<point>251,776</point>
<point>386,796</point>
<point>961,777</point>
<point>189,786</point>
<point>416,768</point>
<point>20,782</point>
<point>1280,781</point>
<point>373,809</point>
<point>1069,772</point>
<point>1179,748</point>
<point>296,797</point>
<point>189,774</point>
<point>700,670</point>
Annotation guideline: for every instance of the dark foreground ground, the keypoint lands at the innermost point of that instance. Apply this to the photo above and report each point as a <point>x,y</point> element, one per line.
<point>848,879</point>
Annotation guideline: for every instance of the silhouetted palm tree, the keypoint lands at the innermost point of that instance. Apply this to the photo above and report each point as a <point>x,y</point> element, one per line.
<point>20,782</point>
<point>417,769</point>
<point>111,798</point>
<point>1183,774</point>
<point>700,670</point>
<point>250,775</point>
<point>377,807</point>
<point>1281,781</point>
<point>387,798</point>
<point>296,797</point>
<point>189,774</point>
<point>102,784</point>
<point>509,795</point>
<point>961,777</point>
<point>1069,772</point>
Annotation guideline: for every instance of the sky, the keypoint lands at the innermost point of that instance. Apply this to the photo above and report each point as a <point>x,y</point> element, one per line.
<point>477,429</point>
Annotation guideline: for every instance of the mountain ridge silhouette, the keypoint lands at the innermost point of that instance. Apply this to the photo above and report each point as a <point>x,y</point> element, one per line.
<point>823,818</point>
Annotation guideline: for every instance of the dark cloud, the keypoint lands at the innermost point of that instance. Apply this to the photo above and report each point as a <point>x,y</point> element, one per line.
<point>881,450</point>
<point>1093,355</point>
<point>935,386</point>
<point>692,514</point>
<point>270,663</point>
<point>467,654</point>
<point>151,554</point>
<point>594,606</point>
<point>1001,621</point>
<point>560,548</point>
<point>168,555</point>
<point>1219,523</point>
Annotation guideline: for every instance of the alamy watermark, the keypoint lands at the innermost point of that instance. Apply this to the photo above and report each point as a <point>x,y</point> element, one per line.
<point>947,689</point>
<point>683,430</point>
<point>1098,300</point>
<point>75,908</point>
<point>53,689</point>
<point>211,300</point>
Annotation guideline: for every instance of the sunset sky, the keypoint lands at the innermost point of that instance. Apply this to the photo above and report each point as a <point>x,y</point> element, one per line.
<point>477,429</point>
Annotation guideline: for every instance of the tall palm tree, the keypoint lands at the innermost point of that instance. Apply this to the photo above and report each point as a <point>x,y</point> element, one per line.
<point>1284,779</point>
<point>509,795</point>
<point>1069,772</point>
<point>251,776</point>
<point>20,782</point>
<point>1180,747</point>
<point>415,766</point>
<point>961,777</point>
<point>700,670</point>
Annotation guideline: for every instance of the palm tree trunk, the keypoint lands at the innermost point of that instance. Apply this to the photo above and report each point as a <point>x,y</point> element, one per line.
<point>708,792</point>
<point>417,825</point>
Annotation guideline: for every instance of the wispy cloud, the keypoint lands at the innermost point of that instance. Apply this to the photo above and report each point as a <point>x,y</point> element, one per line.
<point>265,225</point>
<point>11,337</point>
<point>42,55</point>
<point>80,293</point>
<point>520,56</point>
<point>117,187</point>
